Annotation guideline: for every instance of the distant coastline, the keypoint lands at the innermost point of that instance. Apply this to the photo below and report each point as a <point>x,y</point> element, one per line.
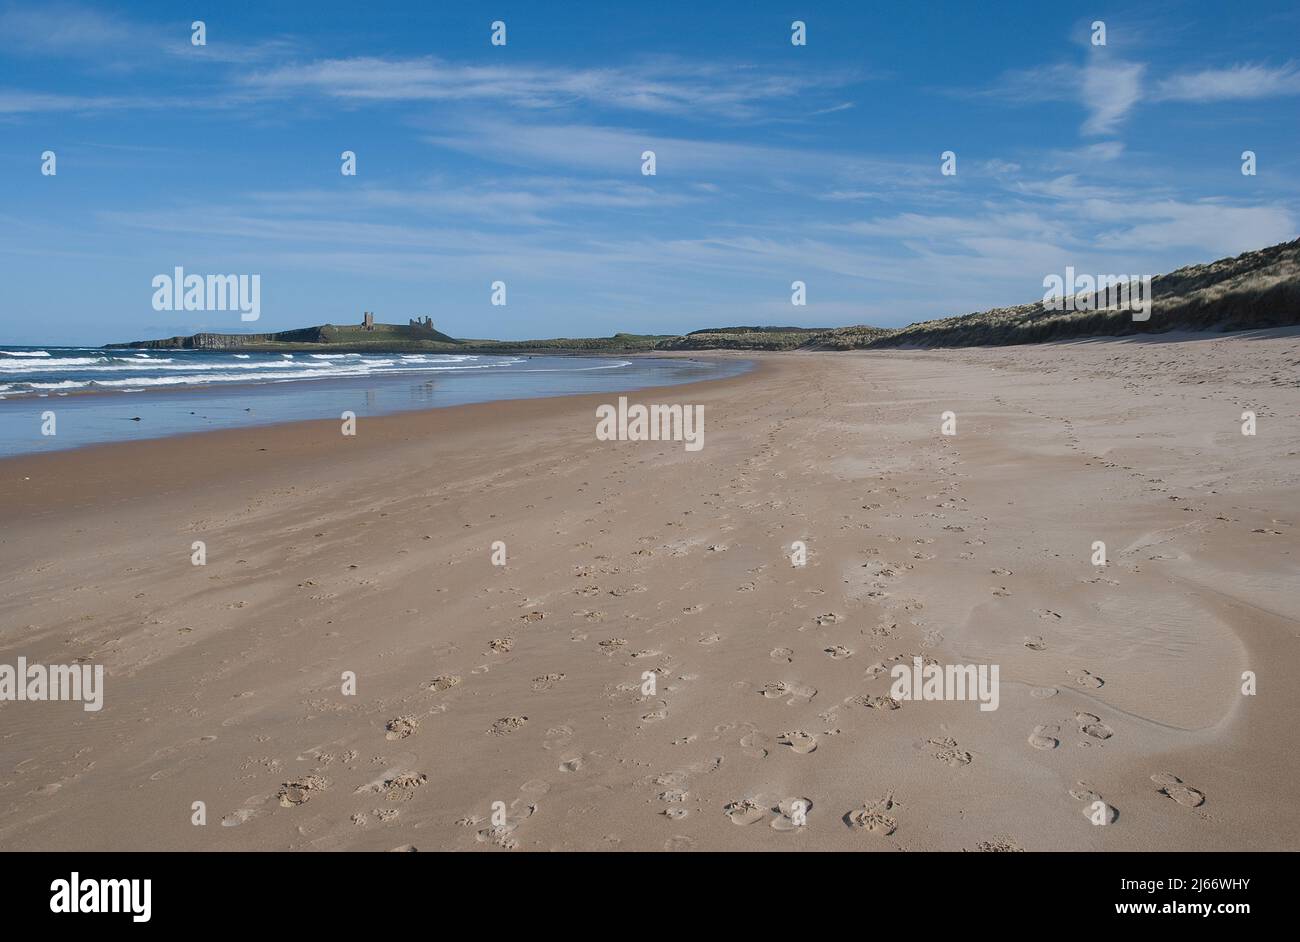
<point>1252,291</point>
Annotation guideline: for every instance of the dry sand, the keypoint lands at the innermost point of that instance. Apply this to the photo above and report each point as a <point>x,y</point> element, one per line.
<point>522,685</point>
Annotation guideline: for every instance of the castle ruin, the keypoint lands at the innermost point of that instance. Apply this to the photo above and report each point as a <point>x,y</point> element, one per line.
<point>422,324</point>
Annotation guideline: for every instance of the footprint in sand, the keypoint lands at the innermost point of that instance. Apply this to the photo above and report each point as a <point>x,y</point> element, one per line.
<point>711,638</point>
<point>401,727</point>
<point>791,814</point>
<point>1044,737</point>
<point>1082,791</point>
<point>240,815</point>
<point>800,694</point>
<point>1174,787</point>
<point>1083,678</point>
<point>300,792</point>
<point>1094,809</point>
<point>754,744</point>
<point>443,682</point>
<point>501,835</point>
<point>1091,725</point>
<point>507,724</point>
<point>402,787</point>
<point>881,632</point>
<point>1042,693</point>
<point>838,652</point>
<point>745,811</point>
<point>558,737</point>
<point>799,741</point>
<point>946,750</point>
<point>782,654</point>
<point>999,845</point>
<point>546,681</point>
<point>874,817</point>
<point>1036,643</point>
<point>571,765</point>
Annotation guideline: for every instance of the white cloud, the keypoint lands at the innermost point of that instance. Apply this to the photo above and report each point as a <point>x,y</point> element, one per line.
<point>1109,90</point>
<point>20,102</point>
<point>1233,84</point>
<point>663,86</point>
<point>1210,228</point>
<point>71,31</point>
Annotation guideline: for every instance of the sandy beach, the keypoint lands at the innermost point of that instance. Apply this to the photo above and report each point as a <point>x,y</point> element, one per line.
<point>523,684</point>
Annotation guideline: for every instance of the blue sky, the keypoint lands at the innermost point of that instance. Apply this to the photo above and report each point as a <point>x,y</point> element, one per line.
<point>522,163</point>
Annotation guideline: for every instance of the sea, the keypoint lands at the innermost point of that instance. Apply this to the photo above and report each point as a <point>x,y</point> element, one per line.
<point>53,398</point>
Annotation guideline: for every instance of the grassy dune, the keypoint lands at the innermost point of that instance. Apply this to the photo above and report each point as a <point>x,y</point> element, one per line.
<point>1251,291</point>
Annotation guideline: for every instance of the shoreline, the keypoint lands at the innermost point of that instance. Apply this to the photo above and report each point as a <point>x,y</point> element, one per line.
<point>81,466</point>
<point>202,387</point>
<point>521,683</point>
<point>164,396</point>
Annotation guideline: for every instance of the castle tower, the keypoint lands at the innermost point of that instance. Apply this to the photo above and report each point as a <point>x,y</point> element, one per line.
<point>368,321</point>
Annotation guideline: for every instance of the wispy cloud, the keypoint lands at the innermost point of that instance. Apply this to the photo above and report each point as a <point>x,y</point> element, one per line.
<point>1109,90</point>
<point>660,86</point>
<point>75,32</point>
<point>1237,83</point>
<point>15,102</point>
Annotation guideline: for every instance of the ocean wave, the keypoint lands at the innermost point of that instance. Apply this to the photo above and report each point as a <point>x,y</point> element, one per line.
<point>56,375</point>
<point>27,365</point>
<point>65,384</point>
<point>210,378</point>
<point>103,365</point>
<point>579,369</point>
